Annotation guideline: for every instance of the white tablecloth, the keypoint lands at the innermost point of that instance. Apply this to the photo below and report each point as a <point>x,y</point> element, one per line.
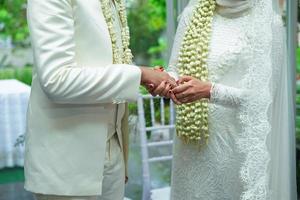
<point>14,96</point>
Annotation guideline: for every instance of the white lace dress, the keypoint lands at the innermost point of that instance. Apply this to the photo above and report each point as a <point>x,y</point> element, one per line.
<point>226,168</point>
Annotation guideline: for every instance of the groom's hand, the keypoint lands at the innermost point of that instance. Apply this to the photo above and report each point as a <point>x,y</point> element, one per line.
<point>153,77</point>
<point>158,82</point>
<point>165,90</point>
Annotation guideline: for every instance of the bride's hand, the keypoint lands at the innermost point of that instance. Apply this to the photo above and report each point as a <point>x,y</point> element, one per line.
<point>164,89</point>
<point>191,89</point>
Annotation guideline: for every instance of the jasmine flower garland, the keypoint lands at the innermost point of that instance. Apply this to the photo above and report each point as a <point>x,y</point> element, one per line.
<point>192,118</point>
<point>120,55</point>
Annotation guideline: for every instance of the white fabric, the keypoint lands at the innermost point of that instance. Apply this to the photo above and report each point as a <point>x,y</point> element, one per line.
<point>230,8</point>
<point>117,109</point>
<point>75,84</point>
<point>113,184</point>
<point>161,193</point>
<point>247,101</point>
<point>233,8</point>
<point>49,197</point>
<point>281,144</point>
<point>14,97</point>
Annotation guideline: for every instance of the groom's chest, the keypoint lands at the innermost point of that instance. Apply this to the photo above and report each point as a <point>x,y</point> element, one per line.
<point>91,34</point>
<point>88,15</point>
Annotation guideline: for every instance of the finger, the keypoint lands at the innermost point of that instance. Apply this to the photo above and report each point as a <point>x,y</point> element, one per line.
<point>185,100</point>
<point>166,90</point>
<point>180,88</point>
<point>189,99</point>
<point>168,95</point>
<point>184,79</point>
<point>160,88</point>
<point>172,82</point>
<point>150,88</point>
<point>183,94</point>
<point>175,100</point>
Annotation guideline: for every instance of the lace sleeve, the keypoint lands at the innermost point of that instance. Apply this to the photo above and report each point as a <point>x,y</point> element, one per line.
<point>227,96</point>
<point>182,26</point>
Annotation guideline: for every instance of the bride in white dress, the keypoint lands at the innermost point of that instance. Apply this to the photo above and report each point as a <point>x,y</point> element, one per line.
<point>248,153</point>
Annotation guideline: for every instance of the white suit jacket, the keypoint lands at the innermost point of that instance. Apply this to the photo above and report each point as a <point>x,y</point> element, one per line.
<point>74,84</point>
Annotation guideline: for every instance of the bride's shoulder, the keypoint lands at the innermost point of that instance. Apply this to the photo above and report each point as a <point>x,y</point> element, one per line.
<point>186,14</point>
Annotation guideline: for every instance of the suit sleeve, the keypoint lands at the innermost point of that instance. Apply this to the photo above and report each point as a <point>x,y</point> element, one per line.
<point>52,27</point>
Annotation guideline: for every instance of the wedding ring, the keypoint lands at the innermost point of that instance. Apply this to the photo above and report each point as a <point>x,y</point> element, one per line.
<point>159,68</point>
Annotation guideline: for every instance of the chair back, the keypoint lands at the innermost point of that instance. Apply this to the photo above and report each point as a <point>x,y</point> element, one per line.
<point>159,110</point>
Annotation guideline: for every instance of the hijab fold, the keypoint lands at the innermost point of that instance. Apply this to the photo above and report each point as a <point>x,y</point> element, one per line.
<point>233,8</point>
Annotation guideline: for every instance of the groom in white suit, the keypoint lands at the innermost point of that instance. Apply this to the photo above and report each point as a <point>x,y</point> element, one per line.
<point>75,146</point>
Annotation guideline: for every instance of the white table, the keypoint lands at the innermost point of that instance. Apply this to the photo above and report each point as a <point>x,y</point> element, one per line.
<point>14,96</point>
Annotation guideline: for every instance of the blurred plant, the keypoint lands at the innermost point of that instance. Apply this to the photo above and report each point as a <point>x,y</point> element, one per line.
<point>3,59</point>
<point>298,60</point>
<point>147,21</point>
<point>23,74</point>
<point>157,53</point>
<point>13,21</point>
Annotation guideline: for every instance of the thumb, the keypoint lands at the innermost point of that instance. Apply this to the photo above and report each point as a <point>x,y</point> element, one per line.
<point>150,87</point>
<point>184,79</point>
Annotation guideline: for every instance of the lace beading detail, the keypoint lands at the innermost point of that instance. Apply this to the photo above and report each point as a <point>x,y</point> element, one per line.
<point>227,96</point>
<point>254,113</point>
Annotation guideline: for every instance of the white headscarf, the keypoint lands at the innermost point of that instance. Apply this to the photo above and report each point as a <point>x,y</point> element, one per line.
<point>230,8</point>
<point>233,8</point>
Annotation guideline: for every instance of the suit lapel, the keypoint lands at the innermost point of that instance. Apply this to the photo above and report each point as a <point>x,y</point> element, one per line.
<point>98,18</point>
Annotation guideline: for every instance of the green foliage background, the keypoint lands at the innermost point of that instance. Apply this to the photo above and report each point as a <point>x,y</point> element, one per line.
<point>147,22</point>
<point>13,21</point>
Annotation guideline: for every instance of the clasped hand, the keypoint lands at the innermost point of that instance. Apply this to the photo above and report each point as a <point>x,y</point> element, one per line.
<point>185,90</point>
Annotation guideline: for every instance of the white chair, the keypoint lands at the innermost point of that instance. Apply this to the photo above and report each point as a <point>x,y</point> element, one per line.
<point>148,191</point>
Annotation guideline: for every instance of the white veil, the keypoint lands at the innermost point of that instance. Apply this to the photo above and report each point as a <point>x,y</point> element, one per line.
<point>282,141</point>
<point>267,116</point>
